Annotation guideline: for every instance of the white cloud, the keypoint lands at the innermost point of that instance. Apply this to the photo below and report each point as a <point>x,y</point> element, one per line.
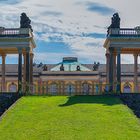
<point>72,18</point>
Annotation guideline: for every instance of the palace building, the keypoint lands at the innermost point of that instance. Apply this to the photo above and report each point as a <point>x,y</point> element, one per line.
<point>69,77</point>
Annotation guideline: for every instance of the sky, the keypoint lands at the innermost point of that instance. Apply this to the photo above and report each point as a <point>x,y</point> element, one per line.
<point>69,27</point>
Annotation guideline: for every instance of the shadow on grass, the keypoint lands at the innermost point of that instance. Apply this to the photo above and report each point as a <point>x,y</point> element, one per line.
<point>100,99</point>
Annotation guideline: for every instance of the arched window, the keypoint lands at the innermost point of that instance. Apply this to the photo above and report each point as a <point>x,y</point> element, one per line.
<point>13,87</point>
<point>85,88</point>
<point>127,88</point>
<point>53,89</point>
<point>70,89</point>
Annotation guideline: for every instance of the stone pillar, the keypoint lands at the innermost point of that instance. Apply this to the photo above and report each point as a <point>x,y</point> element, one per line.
<point>107,67</point>
<point>76,88</point>
<point>43,87</point>
<point>136,73</point>
<point>31,71</point>
<point>59,88</point>
<point>63,87</point>
<point>119,71</point>
<point>111,70</point>
<point>61,92</point>
<point>3,73</point>
<point>80,87</point>
<point>92,88</point>
<point>20,70</point>
<point>114,72</point>
<point>24,73</point>
<point>100,83</point>
<point>27,70</point>
<point>47,87</point>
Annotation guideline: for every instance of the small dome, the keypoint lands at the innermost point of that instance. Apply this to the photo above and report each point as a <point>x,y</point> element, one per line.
<point>70,64</point>
<point>70,59</point>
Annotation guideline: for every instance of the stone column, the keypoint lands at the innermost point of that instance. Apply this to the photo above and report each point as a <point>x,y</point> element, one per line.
<point>59,88</point>
<point>20,70</point>
<point>43,87</point>
<point>114,72</point>
<point>47,87</point>
<point>100,84</point>
<point>107,67</point>
<point>76,87</point>
<point>24,73</point>
<point>63,87</point>
<point>111,70</point>
<point>31,71</point>
<point>27,70</point>
<point>80,87</point>
<point>3,73</point>
<point>118,70</point>
<point>92,88</point>
<point>39,86</point>
<point>136,73</point>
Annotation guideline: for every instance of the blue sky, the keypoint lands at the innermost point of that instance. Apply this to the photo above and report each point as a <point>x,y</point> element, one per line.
<point>69,27</point>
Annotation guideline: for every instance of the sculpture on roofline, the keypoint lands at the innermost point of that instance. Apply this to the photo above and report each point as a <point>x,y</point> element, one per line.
<point>45,68</point>
<point>78,68</point>
<point>115,21</point>
<point>62,67</point>
<point>25,22</point>
<point>96,66</point>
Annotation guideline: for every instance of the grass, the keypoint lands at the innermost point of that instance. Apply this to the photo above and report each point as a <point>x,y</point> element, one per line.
<point>69,118</point>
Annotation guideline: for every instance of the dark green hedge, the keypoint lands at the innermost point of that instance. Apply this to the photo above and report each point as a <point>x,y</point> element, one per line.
<point>6,100</point>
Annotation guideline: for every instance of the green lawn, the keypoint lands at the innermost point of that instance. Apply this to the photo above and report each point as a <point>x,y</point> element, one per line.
<point>69,118</point>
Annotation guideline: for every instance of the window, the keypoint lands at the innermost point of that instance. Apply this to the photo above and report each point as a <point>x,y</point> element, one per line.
<point>85,88</point>
<point>13,87</point>
<point>70,89</point>
<point>53,89</point>
<point>127,88</point>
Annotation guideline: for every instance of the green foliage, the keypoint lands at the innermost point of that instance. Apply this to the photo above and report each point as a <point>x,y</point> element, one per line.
<point>69,118</point>
<point>27,91</point>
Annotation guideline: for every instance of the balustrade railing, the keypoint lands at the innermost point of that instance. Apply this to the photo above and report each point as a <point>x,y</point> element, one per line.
<point>15,32</point>
<point>123,32</point>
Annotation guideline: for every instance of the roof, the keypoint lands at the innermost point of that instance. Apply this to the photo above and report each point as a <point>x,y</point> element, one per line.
<point>70,64</point>
<point>125,68</point>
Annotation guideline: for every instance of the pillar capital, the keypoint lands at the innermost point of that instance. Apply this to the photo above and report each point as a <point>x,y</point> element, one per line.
<point>27,49</point>
<point>118,50</point>
<point>3,55</point>
<point>107,54</point>
<point>19,50</point>
<point>31,54</point>
<point>114,54</point>
<point>135,55</point>
<point>111,50</point>
<point>24,54</point>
